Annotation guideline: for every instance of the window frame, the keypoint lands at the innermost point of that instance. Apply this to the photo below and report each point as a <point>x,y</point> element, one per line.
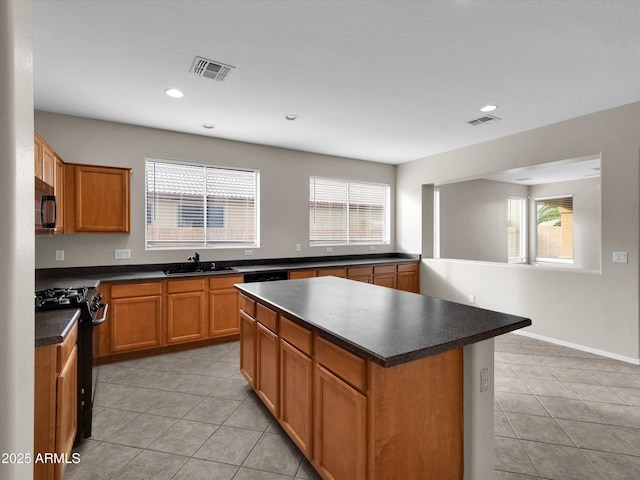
<point>206,243</point>
<point>558,260</point>
<point>523,258</point>
<point>348,240</point>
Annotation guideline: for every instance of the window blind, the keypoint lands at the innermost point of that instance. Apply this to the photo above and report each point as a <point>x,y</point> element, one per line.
<point>200,206</point>
<point>342,212</point>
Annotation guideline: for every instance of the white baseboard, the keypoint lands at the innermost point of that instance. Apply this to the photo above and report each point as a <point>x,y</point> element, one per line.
<point>595,351</point>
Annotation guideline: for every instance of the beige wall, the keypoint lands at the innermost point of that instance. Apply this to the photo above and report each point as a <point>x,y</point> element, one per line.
<point>16,240</point>
<point>595,310</point>
<point>284,189</point>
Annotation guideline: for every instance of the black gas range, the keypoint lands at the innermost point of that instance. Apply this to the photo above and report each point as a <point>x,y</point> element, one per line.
<point>92,313</point>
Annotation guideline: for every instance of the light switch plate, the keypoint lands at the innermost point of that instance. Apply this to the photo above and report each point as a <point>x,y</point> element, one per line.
<point>619,257</point>
<point>484,379</point>
<point>59,254</point>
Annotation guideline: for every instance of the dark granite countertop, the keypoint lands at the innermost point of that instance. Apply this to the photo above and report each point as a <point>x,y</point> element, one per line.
<point>92,276</point>
<point>53,326</point>
<point>386,326</point>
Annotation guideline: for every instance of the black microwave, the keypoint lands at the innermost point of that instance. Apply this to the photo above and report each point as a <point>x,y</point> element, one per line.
<point>45,207</point>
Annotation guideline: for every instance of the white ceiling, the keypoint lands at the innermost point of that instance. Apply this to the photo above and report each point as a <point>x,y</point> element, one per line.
<point>387,81</point>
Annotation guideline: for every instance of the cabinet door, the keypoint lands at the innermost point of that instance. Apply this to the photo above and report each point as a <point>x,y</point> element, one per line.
<point>135,323</point>
<point>48,164</point>
<point>248,348</point>
<point>185,317</point>
<point>385,276</point>
<point>267,367</point>
<point>408,278</point>
<point>296,396</point>
<point>223,313</point>
<point>67,408</point>
<point>295,274</point>
<point>86,189</point>
<point>336,272</point>
<point>59,193</point>
<point>37,155</point>
<point>339,428</point>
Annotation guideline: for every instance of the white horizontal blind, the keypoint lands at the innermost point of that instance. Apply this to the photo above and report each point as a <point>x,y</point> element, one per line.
<point>200,206</point>
<point>343,212</point>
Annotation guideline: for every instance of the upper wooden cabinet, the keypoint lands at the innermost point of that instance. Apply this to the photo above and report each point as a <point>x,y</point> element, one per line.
<point>96,199</point>
<point>58,188</point>
<point>44,160</point>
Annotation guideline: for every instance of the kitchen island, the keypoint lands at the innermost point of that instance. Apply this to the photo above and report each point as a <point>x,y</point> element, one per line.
<point>367,381</point>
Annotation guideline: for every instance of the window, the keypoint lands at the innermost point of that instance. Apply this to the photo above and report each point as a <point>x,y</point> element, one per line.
<point>436,222</point>
<point>191,206</point>
<point>554,229</point>
<point>517,230</point>
<point>347,213</point>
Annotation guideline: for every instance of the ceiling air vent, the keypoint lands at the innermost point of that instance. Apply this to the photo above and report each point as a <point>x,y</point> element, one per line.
<point>484,120</point>
<point>210,69</point>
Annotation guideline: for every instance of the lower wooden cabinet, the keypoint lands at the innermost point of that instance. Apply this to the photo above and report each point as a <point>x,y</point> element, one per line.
<point>248,348</point>
<point>266,383</point>
<point>223,306</point>
<point>296,396</point>
<point>340,428</point>
<point>186,310</point>
<point>135,317</point>
<point>55,403</point>
<point>385,276</point>
<point>408,278</point>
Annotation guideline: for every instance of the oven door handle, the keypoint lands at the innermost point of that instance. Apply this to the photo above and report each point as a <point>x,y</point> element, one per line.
<point>98,321</point>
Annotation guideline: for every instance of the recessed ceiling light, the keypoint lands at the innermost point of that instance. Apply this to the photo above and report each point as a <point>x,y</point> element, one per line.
<point>488,108</point>
<point>207,125</point>
<point>174,92</point>
<point>291,116</point>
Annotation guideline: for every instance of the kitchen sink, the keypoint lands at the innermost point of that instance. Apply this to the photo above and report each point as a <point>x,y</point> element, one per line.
<point>205,270</point>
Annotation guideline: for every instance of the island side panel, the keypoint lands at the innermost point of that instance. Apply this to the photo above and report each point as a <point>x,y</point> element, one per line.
<point>415,417</point>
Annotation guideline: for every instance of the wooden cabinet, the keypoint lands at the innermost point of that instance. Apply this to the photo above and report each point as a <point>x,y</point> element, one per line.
<point>186,310</point>
<point>385,275</point>
<point>335,272</point>
<point>295,274</point>
<point>266,383</point>
<point>340,440</point>
<point>135,316</point>
<point>248,348</point>
<point>408,278</point>
<point>56,403</point>
<point>86,189</point>
<point>352,418</point>
<point>360,274</point>
<point>59,193</point>
<point>296,396</point>
<point>44,160</point>
<point>223,306</point>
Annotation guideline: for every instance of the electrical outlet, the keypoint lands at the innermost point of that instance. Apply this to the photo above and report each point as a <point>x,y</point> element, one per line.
<point>297,247</point>
<point>619,257</point>
<point>122,254</point>
<point>59,254</point>
<point>484,379</point>
<point>372,247</point>
<point>472,298</point>
<point>248,253</point>
<point>329,249</point>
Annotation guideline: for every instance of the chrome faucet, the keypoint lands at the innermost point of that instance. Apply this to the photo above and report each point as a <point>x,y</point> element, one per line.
<point>195,258</point>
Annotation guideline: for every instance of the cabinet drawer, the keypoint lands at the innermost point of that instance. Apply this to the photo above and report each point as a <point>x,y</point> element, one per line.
<point>225,282</point>
<point>267,317</point>
<point>336,272</point>
<point>359,271</point>
<point>136,289</point>
<point>298,336</point>
<point>66,348</point>
<point>408,267</point>
<point>349,367</point>
<point>181,286</point>
<point>248,305</point>
<point>384,269</point>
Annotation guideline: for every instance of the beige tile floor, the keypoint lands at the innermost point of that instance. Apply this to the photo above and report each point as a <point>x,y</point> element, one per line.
<point>560,414</point>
